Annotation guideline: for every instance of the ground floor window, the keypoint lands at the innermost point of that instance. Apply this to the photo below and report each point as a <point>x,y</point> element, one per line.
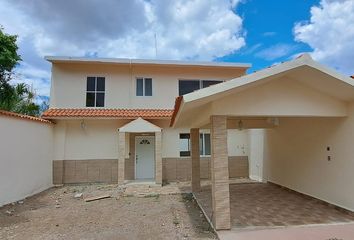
<point>184,144</point>
<point>204,144</point>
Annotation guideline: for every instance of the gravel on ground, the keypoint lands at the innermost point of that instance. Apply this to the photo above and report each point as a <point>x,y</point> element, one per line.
<point>63,213</point>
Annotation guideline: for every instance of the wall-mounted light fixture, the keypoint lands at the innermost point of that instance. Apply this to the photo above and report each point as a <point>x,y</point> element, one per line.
<point>240,125</point>
<point>83,125</point>
<point>273,120</point>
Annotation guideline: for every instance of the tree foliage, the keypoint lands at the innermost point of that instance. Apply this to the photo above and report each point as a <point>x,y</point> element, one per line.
<point>15,98</point>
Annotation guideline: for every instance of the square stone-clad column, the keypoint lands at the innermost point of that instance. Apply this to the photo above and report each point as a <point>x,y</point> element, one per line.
<point>220,173</point>
<point>195,155</point>
<point>121,157</point>
<point>158,158</point>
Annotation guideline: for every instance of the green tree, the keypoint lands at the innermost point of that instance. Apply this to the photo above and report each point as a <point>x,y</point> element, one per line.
<point>15,98</point>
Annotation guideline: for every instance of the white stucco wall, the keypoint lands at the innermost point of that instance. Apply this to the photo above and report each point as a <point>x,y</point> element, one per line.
<point>237,142</point>
<point>26,154</point>
<point>98,139</point>
<point>68,89</point>
<point>296,157</point>
<point>87,139</point>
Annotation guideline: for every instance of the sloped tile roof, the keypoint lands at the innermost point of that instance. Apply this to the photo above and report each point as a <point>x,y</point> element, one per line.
<point>107,113</point>
<point>21,116</point>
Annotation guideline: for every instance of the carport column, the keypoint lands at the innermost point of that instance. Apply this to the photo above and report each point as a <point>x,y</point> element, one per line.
<point>220,173</point>
<point>158,158</point>
<point>195,159</point>
<point>121,157</point>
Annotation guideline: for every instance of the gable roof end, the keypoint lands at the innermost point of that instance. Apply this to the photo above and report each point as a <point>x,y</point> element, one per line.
<point>206,95</point>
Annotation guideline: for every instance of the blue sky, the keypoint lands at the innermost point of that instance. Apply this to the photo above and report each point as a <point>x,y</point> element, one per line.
<point>259,32</point>
<point>269,31</point>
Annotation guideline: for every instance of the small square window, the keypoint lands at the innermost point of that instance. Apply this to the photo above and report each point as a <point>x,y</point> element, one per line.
<point>144,87</point>
<point>95,87</point>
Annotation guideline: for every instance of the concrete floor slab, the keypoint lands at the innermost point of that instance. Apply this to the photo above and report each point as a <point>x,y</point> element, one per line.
<point>261,206</point>
<point>323,232</point>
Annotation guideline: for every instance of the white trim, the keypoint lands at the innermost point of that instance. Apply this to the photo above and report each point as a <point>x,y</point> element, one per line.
<point>128,61</point>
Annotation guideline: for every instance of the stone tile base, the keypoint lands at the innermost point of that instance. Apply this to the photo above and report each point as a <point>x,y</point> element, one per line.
<point>106,170</point>
<point>85,171</point>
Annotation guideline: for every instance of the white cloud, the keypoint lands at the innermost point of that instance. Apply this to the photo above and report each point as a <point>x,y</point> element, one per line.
<point>198,29</point>
<point>330,33</point>
<point>276,51</point>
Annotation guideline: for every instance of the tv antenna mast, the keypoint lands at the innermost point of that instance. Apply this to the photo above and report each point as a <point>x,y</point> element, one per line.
<point>155,46</point>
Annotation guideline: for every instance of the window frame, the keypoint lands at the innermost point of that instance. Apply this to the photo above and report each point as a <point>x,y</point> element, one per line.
<point>95,92</point>
<point>200,83</point>
<point>202,150</point>
<point>189,144</point>
<point>144,87</point>
<point>201,153</point>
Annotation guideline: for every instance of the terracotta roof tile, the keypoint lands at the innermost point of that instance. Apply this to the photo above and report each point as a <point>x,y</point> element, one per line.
<point>176,109</point>
<point>107,113</point>
<point>21,116</point>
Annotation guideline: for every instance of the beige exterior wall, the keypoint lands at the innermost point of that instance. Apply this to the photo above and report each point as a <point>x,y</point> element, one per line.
<point>296,157</point>
<point>68,89</point>
<point>26,154</point>
<point>93,145</point>
<point>282,97</point>
<point>98,139</point>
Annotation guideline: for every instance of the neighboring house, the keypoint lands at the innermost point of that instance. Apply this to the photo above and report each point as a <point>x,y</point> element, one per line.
<point>93,100</point>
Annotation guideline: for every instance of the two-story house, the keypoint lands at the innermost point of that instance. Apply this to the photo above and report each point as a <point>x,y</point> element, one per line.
<point>107,110</point>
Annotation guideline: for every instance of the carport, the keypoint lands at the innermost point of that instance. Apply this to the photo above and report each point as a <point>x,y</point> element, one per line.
<point>307,111</point>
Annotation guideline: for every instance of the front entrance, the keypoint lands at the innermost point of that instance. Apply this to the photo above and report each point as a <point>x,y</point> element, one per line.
<point>144,157</point>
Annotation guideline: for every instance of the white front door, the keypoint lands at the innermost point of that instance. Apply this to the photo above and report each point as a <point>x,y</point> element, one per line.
<point>144,157</point>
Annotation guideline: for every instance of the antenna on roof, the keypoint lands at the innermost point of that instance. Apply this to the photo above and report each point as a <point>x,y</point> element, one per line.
<point>155,46</point>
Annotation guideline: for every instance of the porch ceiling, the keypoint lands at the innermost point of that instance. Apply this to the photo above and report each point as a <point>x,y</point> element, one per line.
<point>298,88</point>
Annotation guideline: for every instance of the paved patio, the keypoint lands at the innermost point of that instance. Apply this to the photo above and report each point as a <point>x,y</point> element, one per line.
<point>261,205</point>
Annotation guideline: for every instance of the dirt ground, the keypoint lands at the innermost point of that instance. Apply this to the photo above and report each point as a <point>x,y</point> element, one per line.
<point>57,214</point>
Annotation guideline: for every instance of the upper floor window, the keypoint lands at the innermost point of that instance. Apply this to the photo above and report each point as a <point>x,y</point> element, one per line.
<point>95,88</point>
<point>188,86</point>
<point>144,86</point>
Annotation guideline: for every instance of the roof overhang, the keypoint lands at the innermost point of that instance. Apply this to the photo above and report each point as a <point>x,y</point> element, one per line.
<point>105,113</point>
<point>145,62</point>
<point>303,70</point>
<point>139,125</point>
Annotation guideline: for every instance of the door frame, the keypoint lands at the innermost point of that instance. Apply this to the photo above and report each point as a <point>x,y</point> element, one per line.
<point>135,154</point>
